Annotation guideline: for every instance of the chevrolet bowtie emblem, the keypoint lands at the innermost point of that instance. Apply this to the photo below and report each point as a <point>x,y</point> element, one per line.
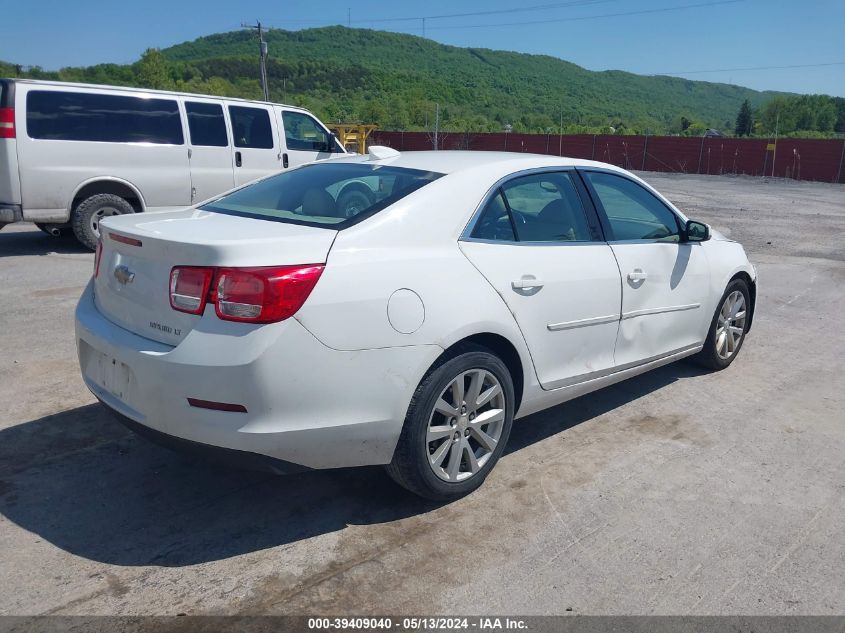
<point>124,275</point>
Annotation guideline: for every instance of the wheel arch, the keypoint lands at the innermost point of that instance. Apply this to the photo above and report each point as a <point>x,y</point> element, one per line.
<point>500,347</point>
<point>752,289</point>
<point>111,185</point>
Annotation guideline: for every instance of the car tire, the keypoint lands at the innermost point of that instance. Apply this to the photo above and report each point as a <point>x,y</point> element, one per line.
<point>89,212</point>
<point>427,447</point>
<point>352,201</point>
<point>728,327</point>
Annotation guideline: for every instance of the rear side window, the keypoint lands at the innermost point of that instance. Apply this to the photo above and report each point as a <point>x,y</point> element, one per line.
<point>542,207</point>
<point>80,116</point>
<point>328,194</point>
<point>251,127</point>
<point>206,124</point>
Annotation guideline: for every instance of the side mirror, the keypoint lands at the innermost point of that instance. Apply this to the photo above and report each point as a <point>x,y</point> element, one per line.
<point>696,231</point>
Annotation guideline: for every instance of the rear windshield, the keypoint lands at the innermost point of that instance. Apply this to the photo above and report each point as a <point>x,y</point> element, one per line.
<point>327,194</point>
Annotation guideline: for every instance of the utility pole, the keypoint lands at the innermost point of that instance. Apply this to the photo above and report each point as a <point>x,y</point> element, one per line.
<point>349,18</point>
<point>436,126</point>
<point>262,52</point>
<point>560,133</point>
<point>423,27</point>
<point>775,149</point>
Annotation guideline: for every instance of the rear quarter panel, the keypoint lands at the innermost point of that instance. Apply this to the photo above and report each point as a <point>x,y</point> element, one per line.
<point>413,245</point>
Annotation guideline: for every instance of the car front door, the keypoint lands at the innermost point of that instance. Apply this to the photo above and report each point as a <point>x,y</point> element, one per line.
<point>540,247</point>
<point>664,280</point>
<point>209,150</point>
<point>305,140</point>
<point>257,151</point>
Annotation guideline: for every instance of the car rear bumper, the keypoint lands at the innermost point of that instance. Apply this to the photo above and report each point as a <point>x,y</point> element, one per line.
<point>307,404</point>
<point>227,456</point>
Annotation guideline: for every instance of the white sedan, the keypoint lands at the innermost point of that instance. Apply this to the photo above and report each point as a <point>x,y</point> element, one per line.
<point>280,327</point>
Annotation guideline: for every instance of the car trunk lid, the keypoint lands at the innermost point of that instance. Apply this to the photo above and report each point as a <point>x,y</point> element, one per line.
<point>139,251</point>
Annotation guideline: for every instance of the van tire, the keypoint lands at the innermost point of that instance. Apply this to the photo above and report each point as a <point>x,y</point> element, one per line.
<point>86,216</point>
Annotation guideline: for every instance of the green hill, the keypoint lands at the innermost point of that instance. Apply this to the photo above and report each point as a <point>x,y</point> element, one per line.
<point>394,80</point>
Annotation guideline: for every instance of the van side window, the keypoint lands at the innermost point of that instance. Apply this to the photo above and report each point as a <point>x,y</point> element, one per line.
<point>304,133</point>
<point>251,127</point>
<point>206,124</point>
<point>109,118</point>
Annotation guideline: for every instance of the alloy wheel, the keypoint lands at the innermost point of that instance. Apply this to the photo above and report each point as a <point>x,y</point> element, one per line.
<point>730,325</point>
<point>466,425</point>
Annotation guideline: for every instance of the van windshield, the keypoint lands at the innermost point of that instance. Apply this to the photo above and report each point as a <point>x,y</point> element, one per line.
<point>328,194</point>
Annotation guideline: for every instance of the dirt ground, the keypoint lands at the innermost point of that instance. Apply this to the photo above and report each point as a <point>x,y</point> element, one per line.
<point>677,492</point>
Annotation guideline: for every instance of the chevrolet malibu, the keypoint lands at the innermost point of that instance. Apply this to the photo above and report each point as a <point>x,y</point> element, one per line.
<point>276,328</point>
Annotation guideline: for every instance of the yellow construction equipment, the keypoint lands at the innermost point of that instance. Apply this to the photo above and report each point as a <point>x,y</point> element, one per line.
<point>353,136</point>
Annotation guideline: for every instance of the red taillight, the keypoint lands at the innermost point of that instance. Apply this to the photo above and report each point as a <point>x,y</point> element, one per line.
<point>189,288</point>
<point>263,295</point>
<point>7,123</point>
<point>98,255</point>
<point>249,295</point>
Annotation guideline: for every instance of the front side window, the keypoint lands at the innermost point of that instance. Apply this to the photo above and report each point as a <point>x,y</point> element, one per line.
<point>319,194</point>
<point>251,127</point>
<point>108,118</point>
<point>542,207</point>
<point>206,124</point>
<point>634,213</point>
<point>302,132</point>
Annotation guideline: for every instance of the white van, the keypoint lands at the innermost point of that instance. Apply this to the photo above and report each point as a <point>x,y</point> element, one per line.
<point>71,154</point>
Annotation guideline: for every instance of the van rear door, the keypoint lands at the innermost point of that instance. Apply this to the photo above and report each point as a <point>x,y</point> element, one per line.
<point>257,150</point>
<point>209,149</point>
<point>10,184</point>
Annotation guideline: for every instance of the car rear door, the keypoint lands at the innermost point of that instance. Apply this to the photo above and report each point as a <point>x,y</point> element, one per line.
<point>541,248</point>
<point>304,138</point>
<point>664,280</point>
<point>209,149</point>
<point>257,149</point>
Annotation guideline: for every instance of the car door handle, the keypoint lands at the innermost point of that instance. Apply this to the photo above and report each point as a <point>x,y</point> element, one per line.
<point>525,283</point>
<point>285,161</point>
<point>238,159</point>
<point>637,275</point>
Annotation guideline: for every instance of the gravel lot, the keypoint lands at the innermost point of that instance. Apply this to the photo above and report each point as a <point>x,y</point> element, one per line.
<point>676,492</point>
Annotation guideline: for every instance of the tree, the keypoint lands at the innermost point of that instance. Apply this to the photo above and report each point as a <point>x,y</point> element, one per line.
<point>153,71</point>
<point>744,120</point>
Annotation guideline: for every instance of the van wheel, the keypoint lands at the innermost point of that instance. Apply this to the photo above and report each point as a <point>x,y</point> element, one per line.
<point>89,212</point>
<point>352,201</point>
<point>456,427</point>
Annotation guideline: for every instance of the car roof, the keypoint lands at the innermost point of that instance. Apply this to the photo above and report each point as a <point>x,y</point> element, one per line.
<point>454,161</point>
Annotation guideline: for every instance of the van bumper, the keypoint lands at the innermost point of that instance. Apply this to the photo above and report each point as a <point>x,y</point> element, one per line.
<point>10,213</point>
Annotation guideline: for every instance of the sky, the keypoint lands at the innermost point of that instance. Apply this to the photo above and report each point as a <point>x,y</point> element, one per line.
<point>788,45</point>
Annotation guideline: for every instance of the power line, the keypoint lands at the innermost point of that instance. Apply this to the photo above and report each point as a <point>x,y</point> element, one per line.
<point>571,3</point>
<point>417,18</point>
<point>591,17</point>
<point>725,70</point>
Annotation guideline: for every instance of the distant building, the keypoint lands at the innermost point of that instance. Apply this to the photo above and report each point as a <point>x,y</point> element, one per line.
<point>710,132</point>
